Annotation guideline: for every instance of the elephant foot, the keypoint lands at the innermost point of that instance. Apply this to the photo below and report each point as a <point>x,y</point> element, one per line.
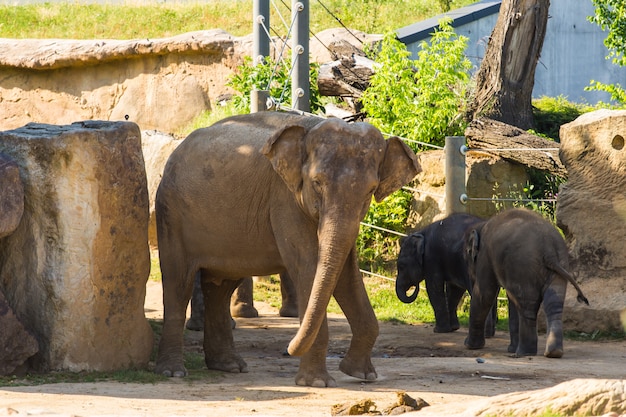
<point>195,324</point>
<point>288,311</point>
<point>171,368</point>
<point>555,353</point>
<point>228,363</point>
<point>358,368</point>
<point>449,329</point>
<point>521,351</point>
<point>511,349</point>
<point>317,379</point>
<point>474,344</point>
<point>243,310</point>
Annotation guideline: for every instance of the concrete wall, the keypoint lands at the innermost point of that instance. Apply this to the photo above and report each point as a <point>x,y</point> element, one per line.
<point>573,51</point>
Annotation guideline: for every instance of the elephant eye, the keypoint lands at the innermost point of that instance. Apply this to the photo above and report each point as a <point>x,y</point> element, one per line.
<point>317,186</point>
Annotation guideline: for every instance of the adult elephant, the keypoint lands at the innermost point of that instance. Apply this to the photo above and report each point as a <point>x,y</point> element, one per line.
<point>524,253</point>
<point>435,254</point>
<point>264,193</point>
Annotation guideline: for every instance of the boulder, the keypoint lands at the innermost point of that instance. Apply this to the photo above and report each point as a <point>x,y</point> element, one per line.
<point>76,267</point>
<point>591,211</point>
<point>580,397</point>
<point>156,147</point>
<point>11,196</point>
<point>486,176</point>
<point>16,343</point>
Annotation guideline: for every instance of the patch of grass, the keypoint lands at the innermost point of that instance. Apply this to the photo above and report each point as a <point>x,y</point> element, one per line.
<point>127,376</point>
<point>155,269</point>
<point>207,118</point>
<point>596,336</point>
<point>75,20</point>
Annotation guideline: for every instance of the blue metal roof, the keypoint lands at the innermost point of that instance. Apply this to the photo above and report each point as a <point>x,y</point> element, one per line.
<point>422,30</point>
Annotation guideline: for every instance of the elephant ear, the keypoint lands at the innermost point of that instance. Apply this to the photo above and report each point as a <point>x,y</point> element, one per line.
<point>471,248</point>
<point>399,166</point>
<point>285,151</point>
<point>418,241</point>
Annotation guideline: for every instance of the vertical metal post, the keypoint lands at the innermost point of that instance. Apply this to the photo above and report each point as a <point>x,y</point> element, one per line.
<point>300,93</point>
<point>260,41</point>
<point>260,49</point>
<point>455,174</point>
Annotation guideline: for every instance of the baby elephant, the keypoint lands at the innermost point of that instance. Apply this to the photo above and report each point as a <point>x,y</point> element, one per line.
<point>524,253</point>
<point>435,254</point>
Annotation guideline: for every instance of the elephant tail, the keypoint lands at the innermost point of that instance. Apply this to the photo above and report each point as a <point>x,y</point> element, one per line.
<point>565,274</point>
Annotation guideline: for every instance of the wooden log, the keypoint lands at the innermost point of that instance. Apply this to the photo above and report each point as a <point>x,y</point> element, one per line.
<point>346,76</point>
<point>506,141</point>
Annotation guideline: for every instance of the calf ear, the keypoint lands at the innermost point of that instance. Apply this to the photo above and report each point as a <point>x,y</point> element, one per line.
<point>285,151</point>
<point>418,245</point>
<point>399,166</point>
<point>473,241</point>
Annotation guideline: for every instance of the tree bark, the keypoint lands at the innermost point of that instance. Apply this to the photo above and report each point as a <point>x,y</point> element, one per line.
<point>506,77</point>
<point>505,141</point>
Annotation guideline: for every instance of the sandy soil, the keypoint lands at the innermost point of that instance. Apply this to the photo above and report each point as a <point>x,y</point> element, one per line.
<point>434,367</point>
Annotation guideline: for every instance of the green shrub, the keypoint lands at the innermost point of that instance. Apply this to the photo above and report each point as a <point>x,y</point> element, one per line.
<point>552,112</point>
<point>420,99</point>
<point>272,76</point>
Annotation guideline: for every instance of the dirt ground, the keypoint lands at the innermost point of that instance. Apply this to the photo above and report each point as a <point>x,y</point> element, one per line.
<point>434,367</point>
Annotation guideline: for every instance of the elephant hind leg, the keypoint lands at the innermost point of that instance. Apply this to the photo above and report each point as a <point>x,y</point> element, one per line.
<point>527,345</point>
<point>553,308</point>
<point>219,345</point>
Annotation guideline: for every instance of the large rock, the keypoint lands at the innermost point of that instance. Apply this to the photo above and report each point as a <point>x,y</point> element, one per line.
<point>11,196</point>
<point>157,83</point>
<point>75,269</point>
<point>487,176</point>
<point>16,343</point>
<point>580,397</point>
<point>591,210</point>
<point>157,148</point>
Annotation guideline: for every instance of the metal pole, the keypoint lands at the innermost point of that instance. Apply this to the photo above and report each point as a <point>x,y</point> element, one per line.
<point>260,41</point>
<point>455,174</point>
<point>260,50</point>
<point>300,93</point>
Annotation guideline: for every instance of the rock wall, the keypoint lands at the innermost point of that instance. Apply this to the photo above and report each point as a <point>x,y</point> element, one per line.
<point>591,210</point>
<point>75,269</point>
<point>158,84</point>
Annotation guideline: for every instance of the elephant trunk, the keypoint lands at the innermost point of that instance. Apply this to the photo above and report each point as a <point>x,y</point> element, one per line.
<point>334,246</point>
<point>401,291</point>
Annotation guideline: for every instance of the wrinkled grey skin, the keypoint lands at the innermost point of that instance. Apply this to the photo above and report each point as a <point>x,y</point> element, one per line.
<point>524,253</point>
<point>264,193</point>
<point>435,254</point>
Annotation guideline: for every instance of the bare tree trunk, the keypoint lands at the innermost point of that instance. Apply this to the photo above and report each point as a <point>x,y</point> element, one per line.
<point>506,77</point>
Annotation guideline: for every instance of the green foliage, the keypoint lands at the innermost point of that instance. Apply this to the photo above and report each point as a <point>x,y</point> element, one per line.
<point>550,113</point>
<point>273,76</point>
<point>617,92</point>
<point>378,250</point>
<point>533,195</point>
<point>209,117</point>
<point>423,99</point>
<point>610,15</point>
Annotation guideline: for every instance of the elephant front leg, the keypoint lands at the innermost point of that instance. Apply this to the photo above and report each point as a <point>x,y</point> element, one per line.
<point>435,287</point>
<point>352,297</point>
<point>219,345</point>
<point>453,297</point>
<point>312,371</point>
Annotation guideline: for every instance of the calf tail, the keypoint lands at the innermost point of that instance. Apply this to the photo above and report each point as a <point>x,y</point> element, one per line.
<point>565,274</point>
